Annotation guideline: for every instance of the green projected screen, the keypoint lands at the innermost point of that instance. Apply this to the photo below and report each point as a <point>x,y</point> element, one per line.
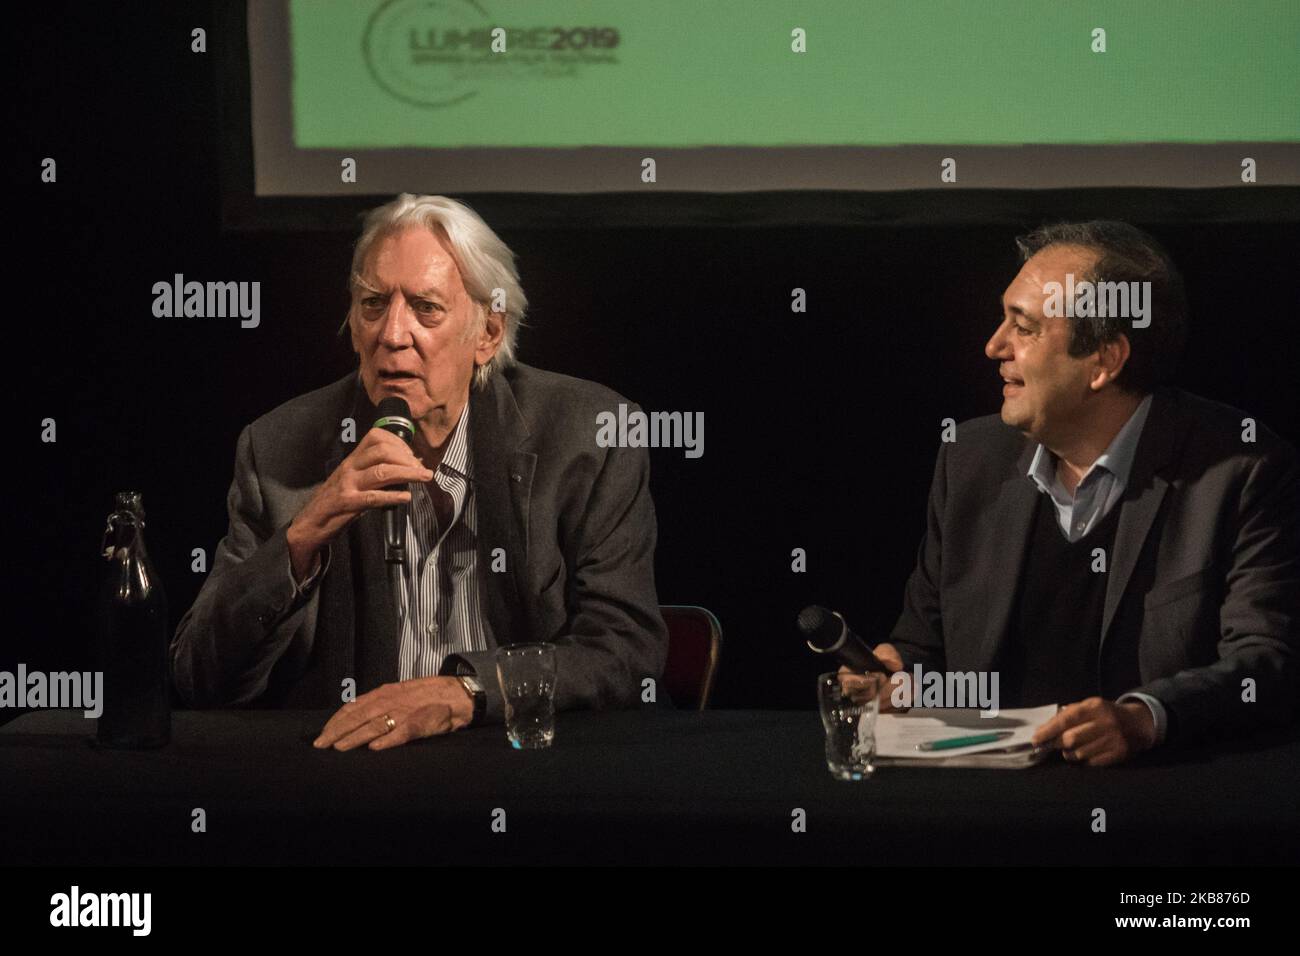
<point>579,96</point>
<point>691,73</point>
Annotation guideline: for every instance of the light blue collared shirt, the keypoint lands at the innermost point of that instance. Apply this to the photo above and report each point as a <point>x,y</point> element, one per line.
<point>1096,494</point>
<point>1101,486</point>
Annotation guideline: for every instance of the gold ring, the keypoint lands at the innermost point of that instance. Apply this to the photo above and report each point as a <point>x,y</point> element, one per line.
<point>389,723</point>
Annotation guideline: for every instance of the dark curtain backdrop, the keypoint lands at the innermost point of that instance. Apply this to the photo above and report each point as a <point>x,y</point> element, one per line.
<point>820,428</point>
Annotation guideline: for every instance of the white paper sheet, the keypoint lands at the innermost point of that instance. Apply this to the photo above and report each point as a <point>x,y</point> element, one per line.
<point>898,734</point>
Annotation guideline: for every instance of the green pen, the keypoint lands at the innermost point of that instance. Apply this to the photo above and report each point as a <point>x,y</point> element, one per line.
<point>971,741</point>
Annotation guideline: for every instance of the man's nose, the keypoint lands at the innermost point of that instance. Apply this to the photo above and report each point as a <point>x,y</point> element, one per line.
<point>396,332</point>
<point>996,346</point>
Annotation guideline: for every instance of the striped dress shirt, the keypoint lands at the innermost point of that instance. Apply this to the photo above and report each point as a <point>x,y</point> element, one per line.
<point>438,605</point>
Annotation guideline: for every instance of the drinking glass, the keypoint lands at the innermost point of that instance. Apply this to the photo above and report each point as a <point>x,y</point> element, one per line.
<point>526,673</point>
<point>849,718</point>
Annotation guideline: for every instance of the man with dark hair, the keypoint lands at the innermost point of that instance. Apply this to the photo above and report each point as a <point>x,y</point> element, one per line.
<point>1108,543</point>
<point>1123,254</point>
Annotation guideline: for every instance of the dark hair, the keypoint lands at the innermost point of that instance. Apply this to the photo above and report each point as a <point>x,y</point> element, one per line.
<point>1124,254</point>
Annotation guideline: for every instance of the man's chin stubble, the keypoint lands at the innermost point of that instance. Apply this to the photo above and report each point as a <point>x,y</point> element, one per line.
<point>1010,418</point>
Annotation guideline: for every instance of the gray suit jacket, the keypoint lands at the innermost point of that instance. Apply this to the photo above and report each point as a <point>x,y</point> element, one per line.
<point>575,520</point>
<point>1204,574</point>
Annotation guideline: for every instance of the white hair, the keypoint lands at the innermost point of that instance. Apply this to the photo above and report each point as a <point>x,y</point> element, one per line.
<point>485,262</point>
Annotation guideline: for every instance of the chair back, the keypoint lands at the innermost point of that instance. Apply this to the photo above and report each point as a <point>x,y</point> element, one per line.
<point>694,649</point>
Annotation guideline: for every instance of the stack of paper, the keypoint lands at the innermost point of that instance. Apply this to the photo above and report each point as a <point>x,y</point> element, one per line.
<point>897,737</point>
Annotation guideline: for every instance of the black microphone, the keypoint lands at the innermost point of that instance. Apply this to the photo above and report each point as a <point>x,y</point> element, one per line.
<point>826,632</point>
<point>394,415</point>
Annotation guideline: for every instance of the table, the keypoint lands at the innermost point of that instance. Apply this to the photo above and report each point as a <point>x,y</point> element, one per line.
<point>651,786</point>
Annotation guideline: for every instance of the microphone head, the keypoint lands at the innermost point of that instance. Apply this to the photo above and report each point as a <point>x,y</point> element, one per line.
<point>394,415</point>
<point>394,405</point>
<point>820,627</point>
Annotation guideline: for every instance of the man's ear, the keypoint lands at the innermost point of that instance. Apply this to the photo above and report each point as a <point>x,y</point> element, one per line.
<point>490,336</point>
<point>1112,356</point>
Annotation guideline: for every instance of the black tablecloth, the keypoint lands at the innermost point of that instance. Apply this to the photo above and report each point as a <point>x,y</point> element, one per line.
<point>635,787</point>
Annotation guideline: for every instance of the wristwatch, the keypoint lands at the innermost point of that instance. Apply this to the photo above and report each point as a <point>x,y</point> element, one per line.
<point>474,687</point>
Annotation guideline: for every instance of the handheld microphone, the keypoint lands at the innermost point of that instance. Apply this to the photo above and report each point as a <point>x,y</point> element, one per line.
<point>394,415</point>
<point>826,632</point>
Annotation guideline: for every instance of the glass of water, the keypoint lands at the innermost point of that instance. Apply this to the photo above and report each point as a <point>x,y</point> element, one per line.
<point>849,718</point>
<point>527,676</point>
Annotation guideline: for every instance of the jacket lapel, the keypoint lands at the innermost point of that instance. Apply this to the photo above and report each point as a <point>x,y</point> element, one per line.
<point>375,638</point>
<point>1013,515</point>
<point>502,482</point>
<point>1161,438</point>
<point>503,478</point>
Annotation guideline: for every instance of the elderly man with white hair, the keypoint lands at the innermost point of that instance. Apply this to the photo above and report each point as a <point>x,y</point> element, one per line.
<point>522,528</point>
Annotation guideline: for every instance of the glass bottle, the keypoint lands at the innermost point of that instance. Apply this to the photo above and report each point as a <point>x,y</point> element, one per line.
<point>134,637</point>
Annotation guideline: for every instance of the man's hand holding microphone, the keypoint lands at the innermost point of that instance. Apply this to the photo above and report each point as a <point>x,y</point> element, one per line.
<point>399,712</point>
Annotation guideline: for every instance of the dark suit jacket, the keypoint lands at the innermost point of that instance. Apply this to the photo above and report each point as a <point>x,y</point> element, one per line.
<point>1204,574</point>
<point>575,520</point>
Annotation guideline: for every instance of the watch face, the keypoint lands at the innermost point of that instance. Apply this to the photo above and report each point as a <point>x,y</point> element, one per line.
<point>472,683</point>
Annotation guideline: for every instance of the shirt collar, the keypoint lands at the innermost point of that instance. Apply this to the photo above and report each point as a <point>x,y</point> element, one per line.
<point>1119,454</point>
<point>1116,459</point>
<point>456,457</point>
